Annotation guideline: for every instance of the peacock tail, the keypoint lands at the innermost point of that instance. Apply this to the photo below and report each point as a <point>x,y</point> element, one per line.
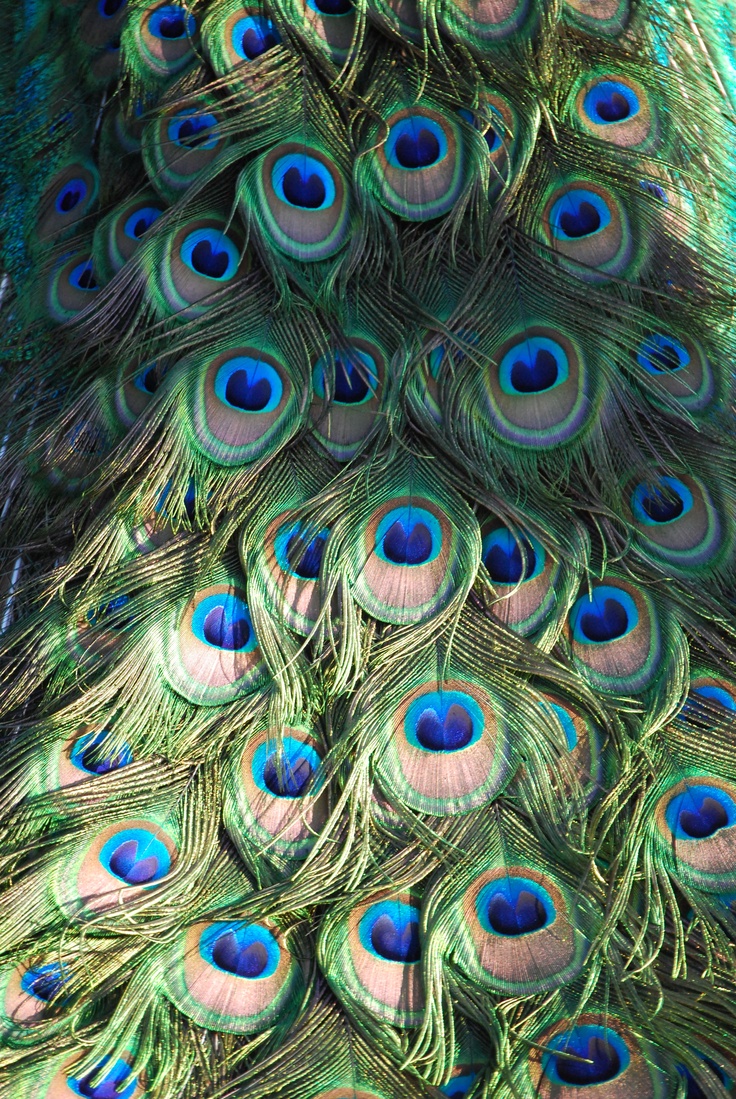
<point>368,508</point>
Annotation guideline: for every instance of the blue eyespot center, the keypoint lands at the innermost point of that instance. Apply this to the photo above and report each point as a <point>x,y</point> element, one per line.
<point>390,929</point>
<point>140,221</point>
<point>108,8</point>
<point>252,395</point>
<point>254,35</point>
<point>83,276</point>
<point>351,386</point>
<point>459,1087</point>
<point>171,22</point>
<point>249,384</point>
<point>210,253</point>
<point>148,379</point>
<point>207,261</point>
<point>227,626</point>
<point>514,906</point>
<point>193,130</point>
<point>243,950</point>
<point>408,536</point>
<point>661,354</point>
<point>663,502</point>
<point>609,613</point>
<point>288,769</point>
<point>407,545</point>
<point>287,775</point>
<point>117,1083</point>
<point>418,149</point>
<point>415,142</point>
<point>446,732</point>
<point>579,213</point>
<point>303,190</point>
<point>602,1062</point>
<point>303,181</point>
<point>534,365</point>
<point>700,811</point>
<point>610,101</point>
<point>88,754</point>
<point>509,559</point>
<point>333,7</point>
<point>44,982</point>
<point>71,194</point>
<point>355,376</point>
<point>304,555</point>
<point>136,856</point>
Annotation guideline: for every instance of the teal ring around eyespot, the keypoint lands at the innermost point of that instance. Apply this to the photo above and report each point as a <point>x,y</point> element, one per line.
<point>440,702</point>
<point>255,370</point>
<point>209,129</point>
<point>600,91</point>
<point>247,935</point>
<point>304,163</point>
<point>327,363</point>
<point>686,799</point>
<point>583,1034</point>
<point>408,125</point>
<point>510,888</point>
<point>148,845</point>
<point>228,602</point>
<point>405,913</point>
<point>293,750</point>
<point>656,342</point>
<point>526,350</point>
<point>585,605</point>
<point>404,515</point>
<point>642,491</point>
<point>566,723</point>
<point>223,244</point>
<point>284,536</point>
<point>570,202</point>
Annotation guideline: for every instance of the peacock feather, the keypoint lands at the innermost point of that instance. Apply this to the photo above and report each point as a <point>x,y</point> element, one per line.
<point>368,541</point>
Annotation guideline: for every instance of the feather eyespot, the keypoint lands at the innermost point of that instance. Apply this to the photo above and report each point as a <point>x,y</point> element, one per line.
<point>72,287</point>
<point>191,265</point>
<point>418,172</point>
<point>119,234</point>
<point>370,957</point>
<point>162,39</point>
<point>297,197</point>
<point>617,109</point>
<point>209,648</point>
<point>516,930</point>
<point>676,367</point>
<point>596,1051</point>
<point>696,828</point>
<point>252,36</point>
<point>244,405</point>
<point>121,864</point>
<point>233,976</point>
<point>277,801</point>
<point>482,26</point>
<point>588,228</point>
<point>353,378</point>
<point>179,145</point>
<point>677,521</point>
<point>605,17</point>
<point>447,750</point>
<point>538,394</point>
<point>615,636</point>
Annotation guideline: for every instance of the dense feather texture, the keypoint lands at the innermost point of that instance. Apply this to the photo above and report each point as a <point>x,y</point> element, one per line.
<point>367,594</point>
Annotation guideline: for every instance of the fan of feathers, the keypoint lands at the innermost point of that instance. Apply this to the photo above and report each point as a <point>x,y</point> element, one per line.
<point>368,549</point>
